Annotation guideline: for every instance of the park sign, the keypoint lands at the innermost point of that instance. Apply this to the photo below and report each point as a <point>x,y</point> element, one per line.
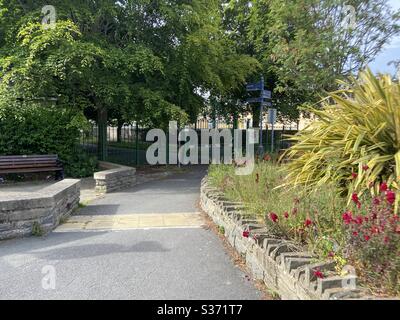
<point>259,100</point>
<point>272,114</point>
<point>266,94</point>
<point>258,86</point>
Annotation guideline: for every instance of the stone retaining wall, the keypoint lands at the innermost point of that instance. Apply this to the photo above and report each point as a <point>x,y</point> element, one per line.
<point>21,213</point>
<point>281,265</point>
<point>114,178</point>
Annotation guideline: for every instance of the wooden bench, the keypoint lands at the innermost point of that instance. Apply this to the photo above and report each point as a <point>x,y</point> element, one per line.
<point>32,164</point>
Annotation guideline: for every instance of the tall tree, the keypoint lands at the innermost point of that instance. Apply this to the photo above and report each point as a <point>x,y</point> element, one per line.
<point>151,61</point>
<point>306,45</point>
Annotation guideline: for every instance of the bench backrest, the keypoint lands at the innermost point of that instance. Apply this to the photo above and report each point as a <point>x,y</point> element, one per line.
<point>28,161</point>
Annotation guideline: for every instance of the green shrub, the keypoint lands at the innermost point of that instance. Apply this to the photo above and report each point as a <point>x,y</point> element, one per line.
<point>80,164</point>
<point>35,129</point>
<point>354,143</point>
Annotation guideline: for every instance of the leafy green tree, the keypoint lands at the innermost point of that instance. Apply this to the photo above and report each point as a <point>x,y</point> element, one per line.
<point>306,45</point>
<point>146,61</point>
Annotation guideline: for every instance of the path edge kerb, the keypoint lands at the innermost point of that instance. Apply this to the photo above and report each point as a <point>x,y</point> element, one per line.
<point>21,213</point>
<point>276,262</point>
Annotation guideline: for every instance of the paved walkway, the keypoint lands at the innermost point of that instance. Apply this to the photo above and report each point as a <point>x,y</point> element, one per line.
<point>143,243</point>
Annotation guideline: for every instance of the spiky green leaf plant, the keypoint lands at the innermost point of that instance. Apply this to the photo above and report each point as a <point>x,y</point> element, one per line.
<point>355,141</point>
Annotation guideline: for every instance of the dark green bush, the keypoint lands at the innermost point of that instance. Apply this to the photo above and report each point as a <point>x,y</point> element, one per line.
<point>80,164</point>
<point>45,130</point>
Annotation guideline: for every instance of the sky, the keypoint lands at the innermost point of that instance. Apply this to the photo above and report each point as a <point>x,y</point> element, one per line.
<point>390,52</point>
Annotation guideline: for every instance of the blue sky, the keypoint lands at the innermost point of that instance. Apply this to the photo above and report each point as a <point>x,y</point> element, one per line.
<point>391,51</point>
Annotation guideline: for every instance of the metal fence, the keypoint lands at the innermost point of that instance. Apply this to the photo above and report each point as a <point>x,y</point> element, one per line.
<point>127,145</point>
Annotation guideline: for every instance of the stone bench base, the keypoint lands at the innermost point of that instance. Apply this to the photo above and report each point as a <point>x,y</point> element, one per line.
<point>114,178</point>
<point>22,214</point>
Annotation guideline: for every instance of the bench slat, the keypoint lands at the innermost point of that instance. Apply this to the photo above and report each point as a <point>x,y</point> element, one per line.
<point>29,163</point>
<point>29,170</point>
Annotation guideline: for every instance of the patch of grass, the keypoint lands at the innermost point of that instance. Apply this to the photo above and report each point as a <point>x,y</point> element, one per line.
<point>82,205</point>
<point>37,230</point>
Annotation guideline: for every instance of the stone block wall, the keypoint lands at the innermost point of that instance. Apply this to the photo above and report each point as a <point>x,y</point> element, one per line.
<point>115,178</point>
<point>281,265</point>
<point>21,213</point>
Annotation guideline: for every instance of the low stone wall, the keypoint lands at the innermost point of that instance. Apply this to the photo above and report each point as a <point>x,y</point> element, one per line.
<point>114,178</point>
<point>281,265</point>
<point>21,214</point>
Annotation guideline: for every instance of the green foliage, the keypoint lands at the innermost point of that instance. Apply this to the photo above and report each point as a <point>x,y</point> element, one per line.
<point>304,46</point>
<point>355,141</point>
<point>146,61</point>
<point>44,130</point>
<point>37,230</point>
<point>80,164</point>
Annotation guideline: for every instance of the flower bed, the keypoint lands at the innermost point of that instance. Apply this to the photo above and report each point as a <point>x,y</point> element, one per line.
<point>360,234</point>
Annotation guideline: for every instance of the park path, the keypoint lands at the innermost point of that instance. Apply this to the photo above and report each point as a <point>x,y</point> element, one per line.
<point>144,243</point>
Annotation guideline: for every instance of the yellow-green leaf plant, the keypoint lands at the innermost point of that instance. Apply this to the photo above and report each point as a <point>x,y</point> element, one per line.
<point>354,142</point>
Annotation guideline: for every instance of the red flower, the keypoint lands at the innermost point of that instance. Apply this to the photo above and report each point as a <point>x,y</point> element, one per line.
<point>383,187</point>
<point>367,238</point>
<point>359,220</point>
<point>318,274</point>
<point>347,217</point>
<point>286,215</point>
<point>273,216</point>
<point>331,254</point>
<point>390,197</point>
<point>355,233</point>
<point>365,167</point>
<point>375,230</point>
<point>377,202</point>
<point>308,223</point>
<point>354,175</point>
<point>356,200</point>
<point>246,234</point>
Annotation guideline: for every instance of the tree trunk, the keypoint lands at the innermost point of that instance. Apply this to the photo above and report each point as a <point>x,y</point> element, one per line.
<point>102,119</point>
<point>120,124</point>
